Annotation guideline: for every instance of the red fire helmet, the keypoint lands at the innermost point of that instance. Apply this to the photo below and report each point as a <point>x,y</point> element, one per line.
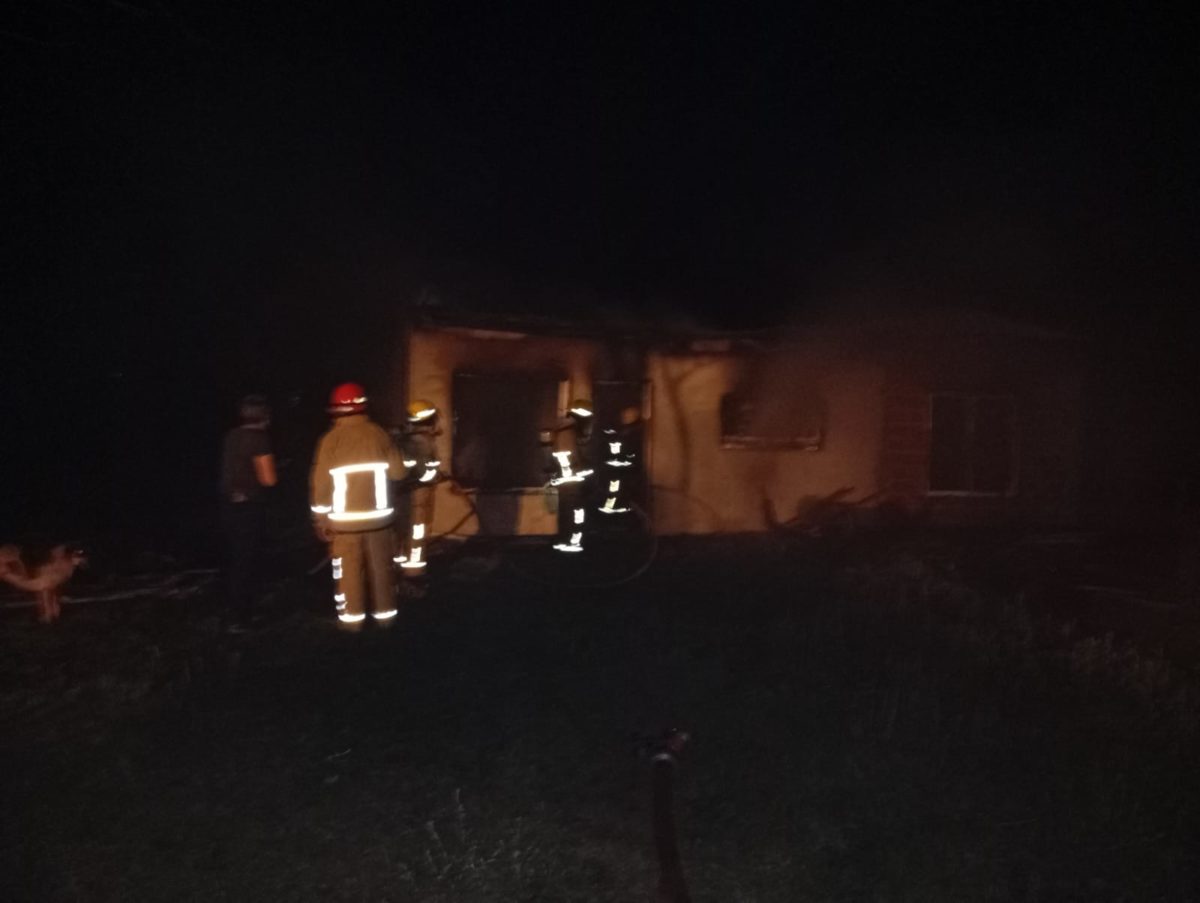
<point>348,398</point>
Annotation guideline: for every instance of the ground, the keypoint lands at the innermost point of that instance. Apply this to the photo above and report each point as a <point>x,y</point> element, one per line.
<point>872,721</point>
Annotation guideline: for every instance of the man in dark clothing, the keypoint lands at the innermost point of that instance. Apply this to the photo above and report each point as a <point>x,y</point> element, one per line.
<point>247,469</point>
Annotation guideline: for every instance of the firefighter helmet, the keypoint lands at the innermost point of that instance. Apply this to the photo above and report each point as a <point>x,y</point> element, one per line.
<point>348,398</point>
<point>420,411</point>
<point>581,407</point>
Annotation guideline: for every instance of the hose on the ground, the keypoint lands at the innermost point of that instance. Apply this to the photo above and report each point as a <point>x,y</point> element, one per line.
<point>524,573</point>
<point>644,566</point>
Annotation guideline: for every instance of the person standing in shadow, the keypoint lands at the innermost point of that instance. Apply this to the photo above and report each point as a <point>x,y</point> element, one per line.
<point>247,471</point>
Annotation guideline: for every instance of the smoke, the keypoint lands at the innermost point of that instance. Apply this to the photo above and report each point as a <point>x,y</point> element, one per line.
<point>1043,225</point>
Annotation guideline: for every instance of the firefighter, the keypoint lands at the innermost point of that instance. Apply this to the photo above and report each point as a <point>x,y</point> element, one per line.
<point>419,446</point>
<point>620,452</point>
<point>351,498</point>
<point>568,473</point>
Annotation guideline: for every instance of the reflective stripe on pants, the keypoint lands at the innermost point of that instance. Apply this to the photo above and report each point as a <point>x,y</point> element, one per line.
<point>572,517</point>
<point>363,558</point>
<point>417,534</point>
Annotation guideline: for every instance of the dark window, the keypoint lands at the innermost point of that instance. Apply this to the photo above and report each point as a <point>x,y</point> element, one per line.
<point>974,444</point>
<point>791,420</point>
<point>496,422</point>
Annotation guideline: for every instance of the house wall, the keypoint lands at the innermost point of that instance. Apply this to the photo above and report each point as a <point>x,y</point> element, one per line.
<point>1141,448</point>
<point>435,355</point>
<point>1045,378</point>
<point>701,487</point>
<point>876,390</point>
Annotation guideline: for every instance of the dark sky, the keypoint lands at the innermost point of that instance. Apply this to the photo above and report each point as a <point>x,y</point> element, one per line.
<point>204,197</point>
<point>723,158</point>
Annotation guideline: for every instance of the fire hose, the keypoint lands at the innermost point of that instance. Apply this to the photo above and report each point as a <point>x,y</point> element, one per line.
<point>644,566</point>
<point>664,755</point>
<point>526,574</point>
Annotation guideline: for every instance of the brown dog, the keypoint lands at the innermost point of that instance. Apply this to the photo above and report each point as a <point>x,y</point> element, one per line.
<point>45,579</point>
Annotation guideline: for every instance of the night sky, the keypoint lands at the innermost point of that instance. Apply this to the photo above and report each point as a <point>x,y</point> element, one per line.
<point>204,201</point>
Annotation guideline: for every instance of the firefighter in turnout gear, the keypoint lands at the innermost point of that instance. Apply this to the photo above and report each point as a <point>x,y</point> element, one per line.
<point>419,446</point>
<point>568,473</point>
<point>619,453</point>
<point>350,494</point>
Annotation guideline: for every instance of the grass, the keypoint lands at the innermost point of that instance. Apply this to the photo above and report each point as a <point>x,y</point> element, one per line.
<point>867,727</point>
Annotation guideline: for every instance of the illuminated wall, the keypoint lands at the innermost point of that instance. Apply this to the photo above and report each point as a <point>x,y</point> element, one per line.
<point>874,387</point>
<point>435,355</point>
<point>703,486</point>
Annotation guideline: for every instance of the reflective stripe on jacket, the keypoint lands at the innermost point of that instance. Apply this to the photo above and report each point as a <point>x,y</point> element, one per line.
<point>354,466</point>
<point>420,456</point>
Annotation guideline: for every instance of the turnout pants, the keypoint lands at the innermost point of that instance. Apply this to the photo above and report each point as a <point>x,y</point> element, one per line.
<point>572,517</point>
<point>359,560</point>
<point>420,506</point>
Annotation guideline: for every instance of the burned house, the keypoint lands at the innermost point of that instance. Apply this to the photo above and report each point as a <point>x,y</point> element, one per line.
<point>962,419</point>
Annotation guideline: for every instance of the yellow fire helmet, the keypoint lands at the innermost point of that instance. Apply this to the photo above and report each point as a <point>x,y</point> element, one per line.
<point>420,410</point>
<point>581,407</point>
